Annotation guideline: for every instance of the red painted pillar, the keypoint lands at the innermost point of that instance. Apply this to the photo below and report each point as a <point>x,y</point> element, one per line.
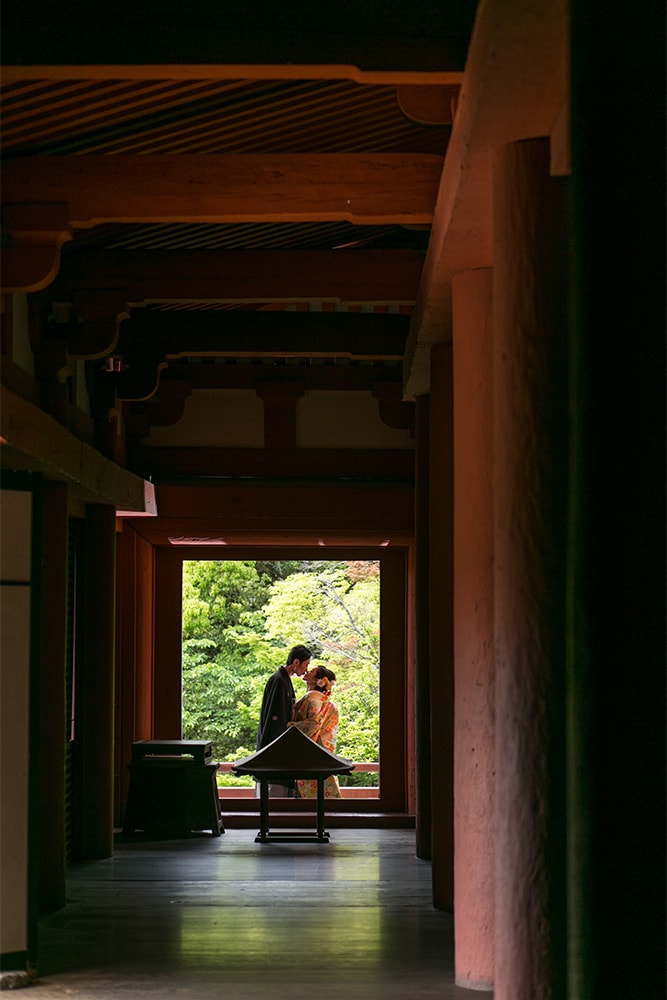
<point>441,627</point>
<point>393,751</point>
<point>531,495</point>
<point>422,635</point>
<point>474,716</point>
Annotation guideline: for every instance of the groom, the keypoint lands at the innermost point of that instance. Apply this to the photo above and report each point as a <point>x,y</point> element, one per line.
<point>277,705</point>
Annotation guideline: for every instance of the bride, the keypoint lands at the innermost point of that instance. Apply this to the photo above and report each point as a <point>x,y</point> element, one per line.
<point>317,716</point>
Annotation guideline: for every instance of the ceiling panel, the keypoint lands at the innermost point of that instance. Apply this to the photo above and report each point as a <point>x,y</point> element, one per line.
<point>204,116</point>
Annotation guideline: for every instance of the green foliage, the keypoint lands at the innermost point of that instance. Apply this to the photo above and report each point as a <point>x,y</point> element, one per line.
<point>222,613</point>
<point>239,620</point>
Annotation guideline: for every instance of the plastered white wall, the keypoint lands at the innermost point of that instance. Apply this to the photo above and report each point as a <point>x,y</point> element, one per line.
<point>215,418</point>
<point>342,419</point>
<point>15,546</point>
<point>21,351</point>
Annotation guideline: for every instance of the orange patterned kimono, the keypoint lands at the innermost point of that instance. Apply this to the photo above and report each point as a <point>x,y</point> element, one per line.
<point>317,717</point>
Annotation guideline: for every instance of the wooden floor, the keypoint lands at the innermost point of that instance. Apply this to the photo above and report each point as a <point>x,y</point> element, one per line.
<point>228,918</point>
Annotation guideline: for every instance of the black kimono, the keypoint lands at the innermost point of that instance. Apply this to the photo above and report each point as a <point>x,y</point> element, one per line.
<point>276,712</point>
<point>277,707</point>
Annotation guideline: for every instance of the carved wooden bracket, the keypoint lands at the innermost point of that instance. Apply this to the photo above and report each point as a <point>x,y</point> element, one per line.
<point>138,380</point>
<point>136,376</point>
<point>100,311</point>
<point>33,234</point>
<point>428,104</point>
<point>137,425</point>
<point>163,410</point>
<point>393,411</point>
<point>168,406</point>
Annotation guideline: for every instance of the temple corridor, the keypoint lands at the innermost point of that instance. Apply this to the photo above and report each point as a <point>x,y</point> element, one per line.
<point>226,917</point>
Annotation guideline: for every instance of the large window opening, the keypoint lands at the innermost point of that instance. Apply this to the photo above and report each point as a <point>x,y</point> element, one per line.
<point>240,618</point>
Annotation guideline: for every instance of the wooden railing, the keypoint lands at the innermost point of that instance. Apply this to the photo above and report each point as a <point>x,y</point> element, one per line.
<point>347,792</point>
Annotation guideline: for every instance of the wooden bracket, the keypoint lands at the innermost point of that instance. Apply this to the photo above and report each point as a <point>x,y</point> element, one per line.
<point>33,234</point>
<point>428,104</point>
<point>393,411</point>
<point>139,381</point>
<point>100,311</point>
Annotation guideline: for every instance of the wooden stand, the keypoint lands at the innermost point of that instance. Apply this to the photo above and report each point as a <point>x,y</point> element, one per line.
<point>265,835</point>
<point>292,755</point>
<point>173,789</point>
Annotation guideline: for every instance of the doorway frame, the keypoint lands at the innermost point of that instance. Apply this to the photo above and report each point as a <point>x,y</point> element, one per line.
<point>149,675</point>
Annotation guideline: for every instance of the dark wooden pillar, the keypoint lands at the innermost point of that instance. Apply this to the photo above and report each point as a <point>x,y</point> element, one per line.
<point>616,661</point>
<point>530,293</point>
<point>423,819</point>
<point>53,729</point>
<point>442,626</point>
<point>168,670</point>
<point>95,687</point>
<point>135,657</point>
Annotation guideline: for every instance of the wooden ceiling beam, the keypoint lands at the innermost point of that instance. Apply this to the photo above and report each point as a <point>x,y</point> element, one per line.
<point>239,507</point>
<point>371,37</point>
<point>315,375</point>
<point>273,334</point>
<point>368,188</point>
<point>232,71</point>
<point>146,341</point>
<point>382,277</point>
<point>285,463</point>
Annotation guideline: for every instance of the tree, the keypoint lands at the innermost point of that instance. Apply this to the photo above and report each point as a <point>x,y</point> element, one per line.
<point>239,620</point>
<point>222,612</point>
<point>337,614</point>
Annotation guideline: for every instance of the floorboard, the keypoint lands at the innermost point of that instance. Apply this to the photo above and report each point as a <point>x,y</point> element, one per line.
<point>226,917</point>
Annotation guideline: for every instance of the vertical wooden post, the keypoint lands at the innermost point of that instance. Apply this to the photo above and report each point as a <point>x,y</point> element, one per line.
<point>474,713</point>
<point>168,645</point>
<point>95,711</point>
<point>134,653</point>
<point>442,626</point>
<point>393,741</point>
<point>423,820</point>
<point>530,294</point>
